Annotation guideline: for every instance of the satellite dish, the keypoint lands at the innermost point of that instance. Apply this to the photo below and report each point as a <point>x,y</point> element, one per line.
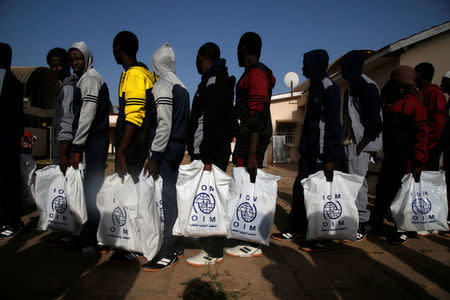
<point>291,80</point>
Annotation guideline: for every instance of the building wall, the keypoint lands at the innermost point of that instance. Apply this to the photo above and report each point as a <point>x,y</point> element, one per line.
<point>283,111</point>
<point>435,51</point>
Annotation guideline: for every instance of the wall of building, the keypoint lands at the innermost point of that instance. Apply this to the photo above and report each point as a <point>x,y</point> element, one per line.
<point>285,111</point>
<point>434,50</point>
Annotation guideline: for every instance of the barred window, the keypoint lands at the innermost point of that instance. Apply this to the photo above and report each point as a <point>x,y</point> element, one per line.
<point>287,129</point>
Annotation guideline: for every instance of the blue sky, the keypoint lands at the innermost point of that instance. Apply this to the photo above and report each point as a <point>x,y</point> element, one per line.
<point>288,29</point>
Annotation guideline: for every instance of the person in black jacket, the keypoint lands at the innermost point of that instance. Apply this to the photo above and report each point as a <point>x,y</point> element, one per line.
<point>320,145</point>
<point>11,99</point>
<point>362,127</point>
<point>210,133</point>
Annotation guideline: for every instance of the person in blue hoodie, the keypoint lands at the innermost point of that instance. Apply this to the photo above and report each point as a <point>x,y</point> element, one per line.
<point>320,145</point>
<point>362,127</point>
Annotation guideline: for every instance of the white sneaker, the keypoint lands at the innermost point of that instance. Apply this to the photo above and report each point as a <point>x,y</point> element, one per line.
<point>427,232</point>
<point>203,259</point>
<point>243,251</point>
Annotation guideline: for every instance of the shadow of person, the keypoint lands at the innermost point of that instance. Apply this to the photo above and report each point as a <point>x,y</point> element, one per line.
<point>433,270</point>
<point>337,273</point>
<point>31,267</point>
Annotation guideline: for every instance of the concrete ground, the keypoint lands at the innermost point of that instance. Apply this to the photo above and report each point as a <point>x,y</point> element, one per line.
<point>372,269</point>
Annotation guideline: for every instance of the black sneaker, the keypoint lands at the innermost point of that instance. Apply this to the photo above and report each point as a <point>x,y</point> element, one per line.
<point>361,234</point>
<point>62,240</point>
<point>399,238</point>
<point>126,256</point>
<point>90,249</point>
<point>315,246</point>
<point>159,263</point>
<point>179,253</point>
<point>8,232</point>
<point>285,236</point>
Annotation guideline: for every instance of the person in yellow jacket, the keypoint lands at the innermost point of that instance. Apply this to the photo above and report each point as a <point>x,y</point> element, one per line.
<point>136,83</point>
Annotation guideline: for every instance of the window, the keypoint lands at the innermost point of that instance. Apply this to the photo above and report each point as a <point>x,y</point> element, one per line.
<point>287,129</point>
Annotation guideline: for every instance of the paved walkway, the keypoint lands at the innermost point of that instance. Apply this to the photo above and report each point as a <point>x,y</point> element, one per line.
<point>372,269</point>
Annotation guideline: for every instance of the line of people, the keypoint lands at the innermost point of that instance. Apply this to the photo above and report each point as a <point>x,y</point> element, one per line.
<point>155,124</point>
<point>406,119</point>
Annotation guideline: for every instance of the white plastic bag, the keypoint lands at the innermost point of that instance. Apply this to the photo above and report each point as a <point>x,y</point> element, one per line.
<point>202,201</point>
<point>150,225</point>
<point>251,207</point>
<point>27,168</point>
<point>51,200</point>
<point>331,206</point>
<point>423,205</point>
<point>117,202</point>
<point>75,193</point>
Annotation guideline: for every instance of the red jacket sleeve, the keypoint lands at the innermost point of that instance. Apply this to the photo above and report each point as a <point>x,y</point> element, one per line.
<point>436,114</point>
<point>422,131</point>
<point>258,95</point>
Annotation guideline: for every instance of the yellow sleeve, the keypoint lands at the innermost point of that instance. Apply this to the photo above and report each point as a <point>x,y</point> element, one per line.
<point>135,100</point>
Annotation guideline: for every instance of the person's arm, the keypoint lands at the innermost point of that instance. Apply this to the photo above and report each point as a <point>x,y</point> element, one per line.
<point>65,135</point>
<point>422,138</point>
<point>437,111</point>
<point>89,97</point>
<point>164,102</point>
<point>332,134</point>
<point>371,108</point>
<point>135,110</point>
<point>258,90</point>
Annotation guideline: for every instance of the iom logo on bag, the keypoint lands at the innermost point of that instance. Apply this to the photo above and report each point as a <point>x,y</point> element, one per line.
<point>332,210</point>
<point>205,202</point>
<point>421,205</point>
<point>247,212</point>
<point>119,216</point>
<point>59,204</point>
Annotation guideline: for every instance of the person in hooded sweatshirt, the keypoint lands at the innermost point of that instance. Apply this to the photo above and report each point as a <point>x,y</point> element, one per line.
<point>135,87</point>
<point>253,121</point>
<point>169,117</point>
<point>405,141</point>
<point>90,141</point>
<point>362,127</point>
<point>11,99</point>
<point>320,145</point>
<point>58,64</point>
<point>210,133</point>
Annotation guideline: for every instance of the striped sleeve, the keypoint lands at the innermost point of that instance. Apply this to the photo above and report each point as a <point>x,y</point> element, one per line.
<point>135,100</point>
<point>258,96</point>
<point>90,89</point>
<point>164,102</point>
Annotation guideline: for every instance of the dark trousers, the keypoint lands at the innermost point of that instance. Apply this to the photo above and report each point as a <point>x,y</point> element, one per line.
<point>10,202</point>
<point>95,158</point>
<point>169,174</point>
<point>433,162</point>
<point>307,165</point>
<point>447,179</point>
<point>389,182</point>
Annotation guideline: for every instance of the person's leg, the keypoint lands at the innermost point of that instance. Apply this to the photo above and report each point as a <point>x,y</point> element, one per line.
<point>358,165</point>
<point>389,182</point>
<point>433,162</point>
<point>96,155</point>
<point>10,202</point>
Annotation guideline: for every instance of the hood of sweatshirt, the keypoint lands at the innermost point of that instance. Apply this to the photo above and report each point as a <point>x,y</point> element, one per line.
<point>352,64</point>
<point>163,60</point>
<point>317,63</point>
<point>88,57</point>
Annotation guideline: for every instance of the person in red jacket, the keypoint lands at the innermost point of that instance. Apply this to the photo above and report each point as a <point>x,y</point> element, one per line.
<point>434,101</point>
<point>405,141</point>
